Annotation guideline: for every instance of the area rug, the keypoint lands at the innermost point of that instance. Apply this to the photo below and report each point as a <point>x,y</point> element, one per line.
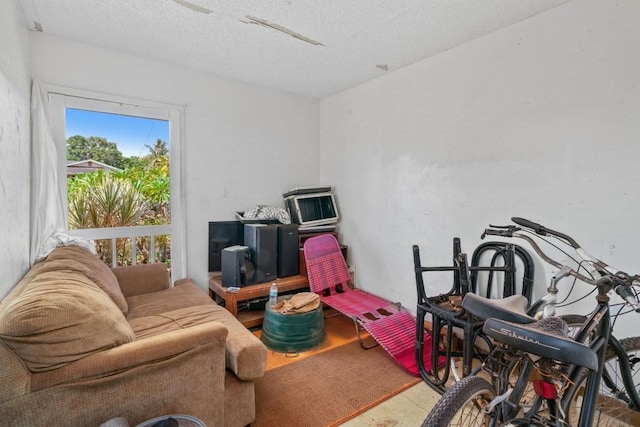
<point>328,387</point>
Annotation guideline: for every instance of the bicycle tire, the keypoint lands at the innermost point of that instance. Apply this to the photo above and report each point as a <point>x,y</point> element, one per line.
<point>613,411</point>
<point>462,404</point>
<point>574,321</point>
<point>630,345</point>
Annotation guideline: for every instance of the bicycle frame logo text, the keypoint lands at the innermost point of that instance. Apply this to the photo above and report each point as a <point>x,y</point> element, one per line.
<point>513,334</point>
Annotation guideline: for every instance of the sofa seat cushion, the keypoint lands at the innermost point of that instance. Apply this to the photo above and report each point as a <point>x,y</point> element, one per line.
<point>61,317</point>
<point>181,318</point>
<point>186,305</point>
<point>185,295</point>
<point>96,270</point>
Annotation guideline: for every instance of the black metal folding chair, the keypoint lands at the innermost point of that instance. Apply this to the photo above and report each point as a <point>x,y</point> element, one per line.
<point>447,314</point>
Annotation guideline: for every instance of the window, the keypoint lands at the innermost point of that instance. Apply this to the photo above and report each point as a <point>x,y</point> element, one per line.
<point>149,231</point>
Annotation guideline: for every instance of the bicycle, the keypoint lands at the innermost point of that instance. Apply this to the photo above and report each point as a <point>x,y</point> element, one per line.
<point>539,355</point>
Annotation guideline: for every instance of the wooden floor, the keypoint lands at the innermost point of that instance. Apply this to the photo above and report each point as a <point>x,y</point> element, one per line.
<point>407,409</point>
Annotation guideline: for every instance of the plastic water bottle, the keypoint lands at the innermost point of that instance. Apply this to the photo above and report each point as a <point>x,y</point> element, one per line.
<point>273,294</point>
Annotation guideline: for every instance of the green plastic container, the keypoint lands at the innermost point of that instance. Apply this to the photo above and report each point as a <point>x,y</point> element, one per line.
<point>293,333</point>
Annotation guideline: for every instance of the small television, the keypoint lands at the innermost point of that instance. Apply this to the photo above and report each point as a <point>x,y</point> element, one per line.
<point>313,208</point>
<point>223,234</point>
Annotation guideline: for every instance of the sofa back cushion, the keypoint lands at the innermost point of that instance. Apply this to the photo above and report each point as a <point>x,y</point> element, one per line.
<point>96,270</point>
<point>59,317</point>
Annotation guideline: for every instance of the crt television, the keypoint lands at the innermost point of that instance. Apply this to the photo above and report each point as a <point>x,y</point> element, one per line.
<point>312,209</point>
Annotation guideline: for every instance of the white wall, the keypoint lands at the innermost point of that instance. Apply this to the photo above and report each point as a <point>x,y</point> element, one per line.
<point>539,120</point>
<point>14,145</point>
<point>536,120</point>
<point>244,144</point>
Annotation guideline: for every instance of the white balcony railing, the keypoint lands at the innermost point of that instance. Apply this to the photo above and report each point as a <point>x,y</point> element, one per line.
<point>130,233</point>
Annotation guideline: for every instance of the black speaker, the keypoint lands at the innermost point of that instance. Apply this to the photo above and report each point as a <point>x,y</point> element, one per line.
<point>262,241</point>
<point>288,250</point>
<point>237,269</point>
<point>223,234</point>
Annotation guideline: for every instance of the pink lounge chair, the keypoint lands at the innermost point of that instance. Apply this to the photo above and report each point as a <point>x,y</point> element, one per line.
<point>388,323</point>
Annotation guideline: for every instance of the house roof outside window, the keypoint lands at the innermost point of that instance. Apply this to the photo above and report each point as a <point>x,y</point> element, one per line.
<point>87,166</point>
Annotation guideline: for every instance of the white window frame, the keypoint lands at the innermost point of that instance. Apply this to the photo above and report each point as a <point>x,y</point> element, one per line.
<point>61,98</point>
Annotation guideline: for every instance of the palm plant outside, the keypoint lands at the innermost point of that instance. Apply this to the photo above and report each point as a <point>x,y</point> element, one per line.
<point>139,194</point>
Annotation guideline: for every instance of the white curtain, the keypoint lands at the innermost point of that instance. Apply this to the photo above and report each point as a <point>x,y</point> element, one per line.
<point>48,226</point>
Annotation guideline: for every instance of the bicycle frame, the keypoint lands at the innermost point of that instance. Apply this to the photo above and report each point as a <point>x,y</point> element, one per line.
<point>597,328</point>
<point>568,385</point>
<point>507,403</point>
<point>600,322</point>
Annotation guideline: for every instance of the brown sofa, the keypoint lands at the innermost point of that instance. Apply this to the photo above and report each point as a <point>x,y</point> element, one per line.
<point>81,344</point>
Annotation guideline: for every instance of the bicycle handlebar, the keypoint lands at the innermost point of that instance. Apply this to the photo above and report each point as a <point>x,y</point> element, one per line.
<point>530,224</point>
<point>511,231</point>
<point>543,231</point>
<point>599,269</point>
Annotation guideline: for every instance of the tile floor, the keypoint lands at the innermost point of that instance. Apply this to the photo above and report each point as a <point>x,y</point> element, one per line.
<point>407,409</point>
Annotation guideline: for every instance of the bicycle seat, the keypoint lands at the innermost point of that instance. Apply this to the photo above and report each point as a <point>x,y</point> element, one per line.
<point>512,309</point>
<point>546,338</point>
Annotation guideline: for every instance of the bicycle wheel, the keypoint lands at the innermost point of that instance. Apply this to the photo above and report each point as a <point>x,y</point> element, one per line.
<point>612,408</point>
<point>631,347</point>
<point>462,404</point>
<point>615,389</point>
<point>574,321</point>
<point>609,411</point>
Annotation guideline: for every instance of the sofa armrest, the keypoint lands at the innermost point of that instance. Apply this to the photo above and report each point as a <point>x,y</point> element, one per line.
<point>246,355</point>
<point>142,278</point>
<point>137,353</point>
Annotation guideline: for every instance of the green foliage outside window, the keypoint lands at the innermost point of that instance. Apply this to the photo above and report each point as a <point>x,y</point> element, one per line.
<point>137,195</point>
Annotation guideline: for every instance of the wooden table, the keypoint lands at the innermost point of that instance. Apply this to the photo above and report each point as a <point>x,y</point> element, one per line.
<point>231,298</point>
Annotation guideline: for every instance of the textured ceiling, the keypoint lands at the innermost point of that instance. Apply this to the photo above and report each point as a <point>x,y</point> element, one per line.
<point>331,45</point>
